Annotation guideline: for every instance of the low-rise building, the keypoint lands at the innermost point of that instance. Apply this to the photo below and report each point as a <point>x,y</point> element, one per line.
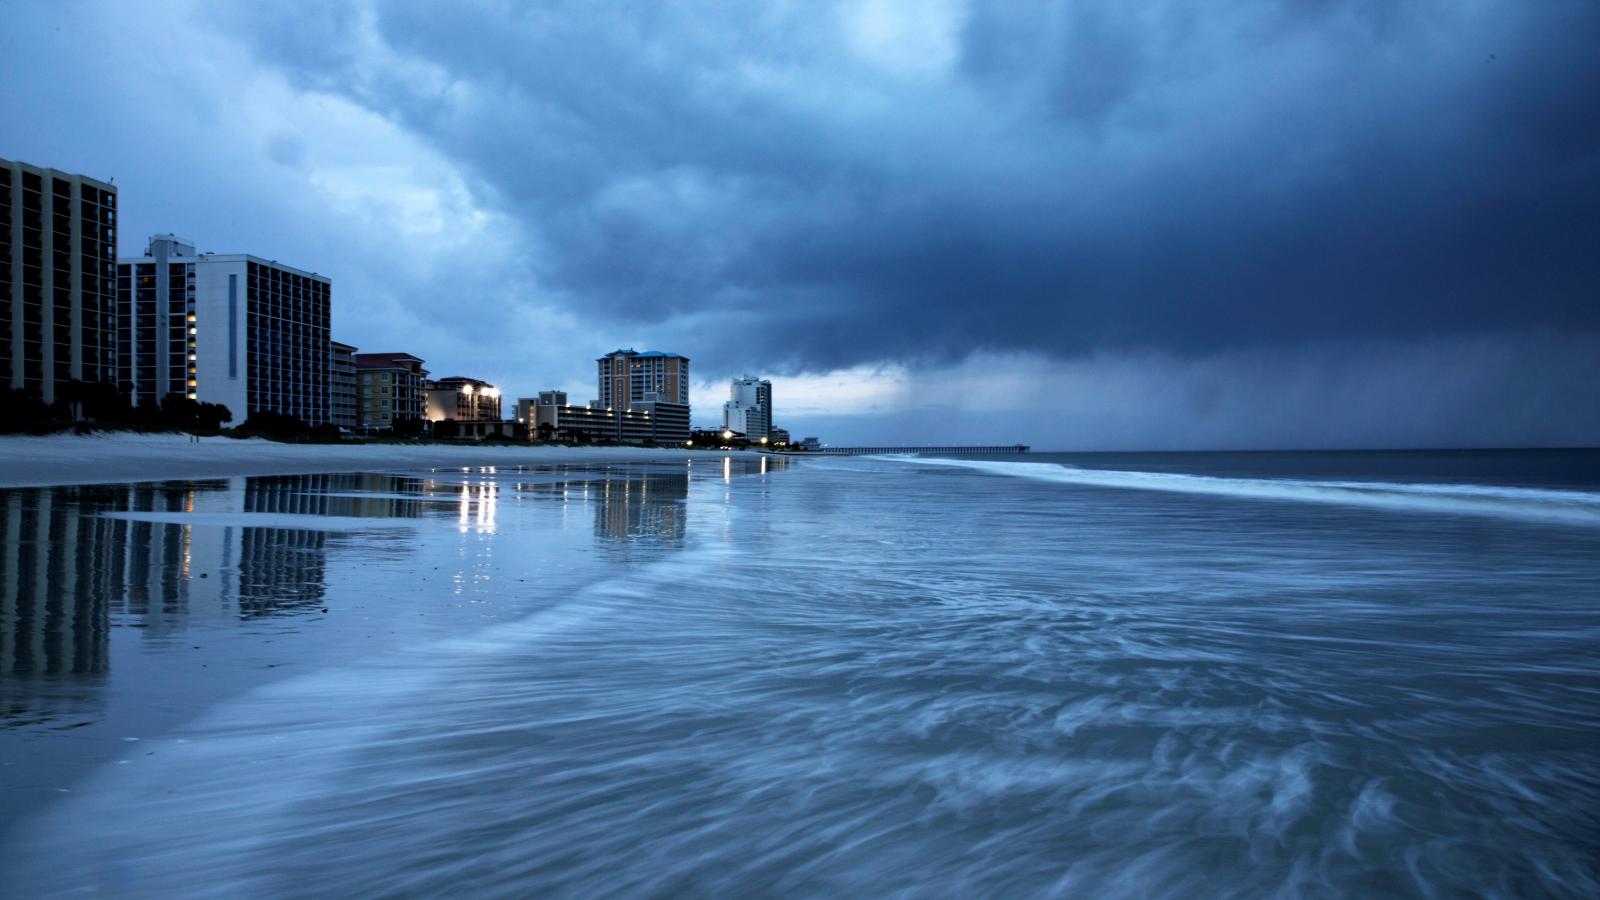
<point>646,422</point>
<point>463,400</point>
<point>390,391</point>
<point>527,408</point>
<point>669,422</point>
<point>478,430</point>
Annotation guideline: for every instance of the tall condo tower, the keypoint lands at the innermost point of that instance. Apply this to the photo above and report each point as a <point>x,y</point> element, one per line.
<point>630,376</point>
<point>58,250</point>
<point>235,329</point>
<point>749,407</point>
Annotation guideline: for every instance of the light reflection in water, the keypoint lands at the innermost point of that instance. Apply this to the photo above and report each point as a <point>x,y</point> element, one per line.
<point>70,577</point>
<point>476,505</point>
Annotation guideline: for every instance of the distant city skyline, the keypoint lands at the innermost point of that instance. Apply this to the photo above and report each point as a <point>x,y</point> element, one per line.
<point>1090,225</point>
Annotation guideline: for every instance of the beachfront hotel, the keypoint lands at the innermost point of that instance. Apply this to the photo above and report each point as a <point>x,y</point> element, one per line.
<point>630,376</point>
<point>342,385</point>
<point>462,400</point>
<point>644,399</point>
<point>391,390</point>
<point>235,329</point>
<point>643,395</point>
<point>58,247</point>
<point>748,410</point>
<point>645,422</point>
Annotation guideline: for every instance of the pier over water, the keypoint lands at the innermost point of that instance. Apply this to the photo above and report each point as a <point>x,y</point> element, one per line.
<point>930,451</point>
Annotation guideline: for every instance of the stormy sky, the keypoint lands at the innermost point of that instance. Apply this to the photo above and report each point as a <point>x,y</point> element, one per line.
<point>1303,223</point>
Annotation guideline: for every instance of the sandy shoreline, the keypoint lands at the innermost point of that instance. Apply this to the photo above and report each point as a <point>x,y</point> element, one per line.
<point>99,459</point>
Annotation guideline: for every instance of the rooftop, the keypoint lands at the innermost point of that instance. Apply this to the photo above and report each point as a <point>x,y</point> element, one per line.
<point>640,353</point>
<point>386,360</point>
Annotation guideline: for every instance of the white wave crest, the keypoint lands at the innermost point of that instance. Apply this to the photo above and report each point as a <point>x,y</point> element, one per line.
<point>1533,504</point>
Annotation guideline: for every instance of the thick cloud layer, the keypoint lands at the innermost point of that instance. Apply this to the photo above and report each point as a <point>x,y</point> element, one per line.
<point>821,186</point>
<point>1089,223</point>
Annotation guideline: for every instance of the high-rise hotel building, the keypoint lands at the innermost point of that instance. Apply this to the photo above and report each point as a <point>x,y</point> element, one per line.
<point>647,393</point>
<point>629,376</point>
<point>749,407</point>
<point>58,248</point>
<point>235,329</point>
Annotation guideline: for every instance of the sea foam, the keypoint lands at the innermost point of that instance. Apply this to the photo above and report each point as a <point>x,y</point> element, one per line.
<point>1532,504</point>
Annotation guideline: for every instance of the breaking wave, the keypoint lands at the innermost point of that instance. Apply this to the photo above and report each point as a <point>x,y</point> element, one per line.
<point>1532,504</point>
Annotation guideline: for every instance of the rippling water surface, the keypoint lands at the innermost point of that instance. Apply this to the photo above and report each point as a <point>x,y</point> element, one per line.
<point>1138,675</point>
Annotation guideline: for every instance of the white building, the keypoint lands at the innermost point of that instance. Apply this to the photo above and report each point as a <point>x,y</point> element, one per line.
<point>749,407</point>
<point>235,329</point>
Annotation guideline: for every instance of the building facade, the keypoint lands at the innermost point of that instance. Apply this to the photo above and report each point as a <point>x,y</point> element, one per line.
<point>58,248</point>
<point>646,422</point>
<point>527,409</point>
<point>463,400</point>
<point>235,329</point>
<point>748,409</point>
<point>631,376</point>
<point>342,385</point>
<point>391,390</point>
<point>669,422</point>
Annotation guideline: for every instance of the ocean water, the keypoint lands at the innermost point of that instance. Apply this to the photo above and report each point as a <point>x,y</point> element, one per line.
<point>1144,675</point>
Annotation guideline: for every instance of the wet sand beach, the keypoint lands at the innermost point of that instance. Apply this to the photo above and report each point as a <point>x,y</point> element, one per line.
<point>1114,676</point>
<point>121,457</point>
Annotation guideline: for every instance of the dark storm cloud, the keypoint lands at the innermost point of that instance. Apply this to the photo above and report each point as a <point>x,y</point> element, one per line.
<point>1181,176</point>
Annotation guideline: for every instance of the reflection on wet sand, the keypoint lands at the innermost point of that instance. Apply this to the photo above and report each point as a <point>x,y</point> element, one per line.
<point>69,575</point>
<point>645,503</point>
<point>54,590</point>
<point>647,506</point>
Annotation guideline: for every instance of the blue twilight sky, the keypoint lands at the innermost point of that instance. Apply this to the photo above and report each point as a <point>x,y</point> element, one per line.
<point>1118,224</point>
